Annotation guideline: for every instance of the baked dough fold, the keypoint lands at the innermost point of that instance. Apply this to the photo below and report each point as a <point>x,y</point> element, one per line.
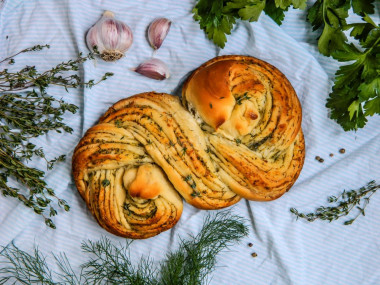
<point>236,134</point>
<point>125,190</point>
<point>251,117</point>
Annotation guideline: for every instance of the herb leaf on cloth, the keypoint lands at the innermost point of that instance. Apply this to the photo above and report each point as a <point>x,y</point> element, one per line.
<point>363,6</point>
<point>276,8</point>
<point>217,17</point>
<point>214,21</point>
<point>330,15</point>
<point>356,90</point>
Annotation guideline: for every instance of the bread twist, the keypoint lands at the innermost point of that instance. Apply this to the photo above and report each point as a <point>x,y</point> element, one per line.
<point>241,137</point>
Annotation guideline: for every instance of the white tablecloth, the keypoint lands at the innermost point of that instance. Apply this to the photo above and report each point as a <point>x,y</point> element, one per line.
<point>289,251</point>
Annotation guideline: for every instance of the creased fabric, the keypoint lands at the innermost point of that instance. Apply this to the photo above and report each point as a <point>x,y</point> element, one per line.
<point>289,251</point>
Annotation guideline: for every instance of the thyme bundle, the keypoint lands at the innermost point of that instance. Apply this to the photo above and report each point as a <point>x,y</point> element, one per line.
<point>26,112</point>
<point>191,263</point>
<point>344,204</point>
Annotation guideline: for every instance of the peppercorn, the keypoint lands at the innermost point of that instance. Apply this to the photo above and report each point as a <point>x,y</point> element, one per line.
<point>254,254</point>
<point>250,244</point>
<point>321,160</point>
<point>331,154</point>
<point>342,150</point>
<point>317,157</point>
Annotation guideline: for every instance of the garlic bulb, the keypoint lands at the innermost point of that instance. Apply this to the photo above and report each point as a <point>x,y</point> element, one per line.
<point>153,68</point>
<point>111,37</point>
<point>158,31</point>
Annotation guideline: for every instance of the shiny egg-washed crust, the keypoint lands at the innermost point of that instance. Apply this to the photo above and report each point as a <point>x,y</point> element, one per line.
<point>251,116</point>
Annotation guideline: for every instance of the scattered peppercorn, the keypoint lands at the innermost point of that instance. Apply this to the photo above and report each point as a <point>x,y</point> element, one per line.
<point>342,150</point>
<point>250,244</point>
<point>321,160</point>
<point>254,254</point>
<point>317,157</point>
<point>331,154</point>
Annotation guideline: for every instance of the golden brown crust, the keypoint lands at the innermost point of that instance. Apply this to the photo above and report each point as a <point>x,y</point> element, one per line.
<point>241,138</point>
<point>211,98</point>
<point>259,145</point>
<point>175,142</point>
<point>126,192</point>
<point>146,184</point>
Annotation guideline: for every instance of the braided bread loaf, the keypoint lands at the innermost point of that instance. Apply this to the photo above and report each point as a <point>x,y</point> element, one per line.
<point>240,137</point>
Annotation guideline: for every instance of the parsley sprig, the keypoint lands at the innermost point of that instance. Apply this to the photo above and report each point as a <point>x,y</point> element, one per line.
<point>356,91</point>
<point>330,16</point>
<point>27,112</point>
<point>217,17</point>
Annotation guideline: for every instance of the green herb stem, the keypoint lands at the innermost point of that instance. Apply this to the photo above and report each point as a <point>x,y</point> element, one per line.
<point>344,204</point>
<point>190,264</point>
<point>30,114</point>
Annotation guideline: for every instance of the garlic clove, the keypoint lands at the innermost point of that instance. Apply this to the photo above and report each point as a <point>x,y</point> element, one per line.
<point>158,31</point>
<point>111,37</point>
<point>153,68</point>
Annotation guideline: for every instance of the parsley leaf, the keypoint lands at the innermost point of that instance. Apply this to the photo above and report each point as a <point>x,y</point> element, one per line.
<point>363,6</point>
<point>245,10</point>
<point>369,90</point>
<point>213,21</point>
<point>276,13</point>
<point>372,107</point>
<point>285,4</point>
<point>331,16</point>
<point>276,8</point>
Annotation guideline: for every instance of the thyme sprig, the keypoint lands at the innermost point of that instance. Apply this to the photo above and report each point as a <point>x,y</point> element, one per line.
<point>28,76</point>
<point>26,112</point>
<point>344,204</point>
<point>10,59</point>
<point>107,263</point>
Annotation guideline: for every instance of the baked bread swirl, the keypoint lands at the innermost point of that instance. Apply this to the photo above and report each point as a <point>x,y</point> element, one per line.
<point>240,136</point>
<point>251,118</point>
<point>126,192</point>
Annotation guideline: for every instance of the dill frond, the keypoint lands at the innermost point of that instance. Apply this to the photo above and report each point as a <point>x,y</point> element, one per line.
<point>67,275</point>
<point>23,267</point>
<point>195,258</point>
<point>112,265</point>
<point>107,263</point>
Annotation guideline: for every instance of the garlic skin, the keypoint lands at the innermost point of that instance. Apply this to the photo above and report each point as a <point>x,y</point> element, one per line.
<point>158,31</point>
<point>111,37</point>
<point>153,68</point>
